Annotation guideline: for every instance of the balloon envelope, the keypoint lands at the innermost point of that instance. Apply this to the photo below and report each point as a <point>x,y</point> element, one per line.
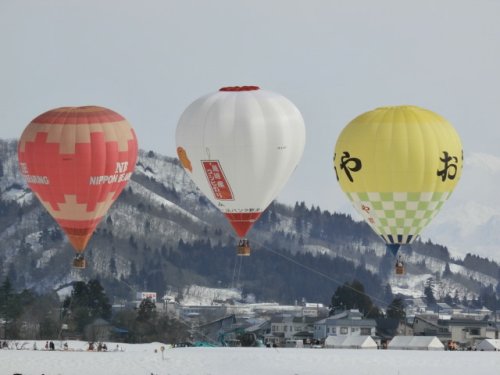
<point>77,160</point>
<point>398,165</point>
<point>240,145</point>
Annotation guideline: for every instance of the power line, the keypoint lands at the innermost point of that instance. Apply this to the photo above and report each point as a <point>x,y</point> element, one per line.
<point>319,273</point>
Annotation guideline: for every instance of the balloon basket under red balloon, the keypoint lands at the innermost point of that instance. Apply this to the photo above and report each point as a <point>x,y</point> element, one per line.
<point>79,262</point>
<point>243,249</point>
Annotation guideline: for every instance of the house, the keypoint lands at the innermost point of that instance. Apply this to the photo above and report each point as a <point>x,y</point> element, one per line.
<point>415,306</point>
<point>387,328</point>
<point>489,345</point>
<point>350,342</point>
<point>346,323</point>
<point>444,309</point>
<point>201,313</point>
<point>216,331</point>
<point>285,328</point>
<point>483,312</point>
<point>415,343</point>
<point>314,309</point>
<point>467,331</point>
<point>259,327</point>
<point>430,325</point>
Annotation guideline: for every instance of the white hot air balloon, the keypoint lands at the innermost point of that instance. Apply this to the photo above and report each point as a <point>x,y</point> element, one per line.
<point>240,145</point>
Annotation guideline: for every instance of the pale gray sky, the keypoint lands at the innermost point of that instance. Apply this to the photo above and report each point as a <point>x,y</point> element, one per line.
<point>149,59</point>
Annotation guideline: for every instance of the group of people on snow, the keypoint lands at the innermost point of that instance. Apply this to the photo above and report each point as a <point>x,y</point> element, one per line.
<point>49,345</point>
<point>100,347</point>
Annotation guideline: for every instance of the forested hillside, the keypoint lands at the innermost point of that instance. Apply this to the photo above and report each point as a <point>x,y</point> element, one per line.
<point>162,234</point>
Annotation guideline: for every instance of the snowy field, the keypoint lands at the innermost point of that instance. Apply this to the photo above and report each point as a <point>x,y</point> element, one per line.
<point>141,359</point>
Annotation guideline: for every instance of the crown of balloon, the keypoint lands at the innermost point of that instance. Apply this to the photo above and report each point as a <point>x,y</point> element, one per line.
<point>240,88</point>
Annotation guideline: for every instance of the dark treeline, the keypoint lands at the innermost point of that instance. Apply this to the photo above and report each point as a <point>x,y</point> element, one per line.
<point>26,315</point>
<point>86,310</point>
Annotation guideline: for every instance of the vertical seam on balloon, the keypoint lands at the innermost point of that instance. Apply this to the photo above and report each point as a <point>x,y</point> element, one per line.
<point>414,126</point>
<point>105,188</point>
<point>236,127</point>
<point>100,128</point>
<point>434,123</point>
<point>123,122</point>
<point>100,211</point>
<point>422,128</point>
<point>281,110</point>
<point>207,114</point>
<point>204,128</point>
<point>265,141</point>
<point>92,159</point>
<point>406,125</point>
<point>64,133</point>
<point>389,117</point>
<point>67,128</point>
<point>380,128</point>
<point>430,126</point>
<point>290,162</point>
<point>60,136</point>
<point>376,134</point>
<point>74,132</point>
<point>74,170</point>
<point>364,184</point>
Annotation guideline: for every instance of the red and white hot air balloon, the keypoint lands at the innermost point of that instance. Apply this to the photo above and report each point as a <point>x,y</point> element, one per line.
<point>240,145</point>
<point>77,160</point>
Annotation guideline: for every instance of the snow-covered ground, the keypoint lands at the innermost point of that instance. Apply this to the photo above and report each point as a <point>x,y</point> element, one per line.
<point>142,359</point>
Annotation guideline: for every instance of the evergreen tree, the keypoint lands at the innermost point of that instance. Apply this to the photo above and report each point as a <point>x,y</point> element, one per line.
<point>396,309</point>
<point>49,328</point>
<point>353,296</point>
<point>86,303</point>
<point>488,298</point>
<point>448,300</point>
<point>10,308</point>
<point>112,266</point>
<point>388,296</point>
<point>498,283</point>
<point>429,292</point>
<point>456,298</point>
<point>147,310</point>
<point>98,300</point>
<point>447,270</point>
<point>12,274</point>
<point>10,303</point>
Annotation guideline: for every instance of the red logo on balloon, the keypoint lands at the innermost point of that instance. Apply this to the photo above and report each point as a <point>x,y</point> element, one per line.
<point>217,180</point>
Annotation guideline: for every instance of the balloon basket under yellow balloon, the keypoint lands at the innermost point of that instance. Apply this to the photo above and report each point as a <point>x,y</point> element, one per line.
<point>79,262</point>
<point>399,270</point>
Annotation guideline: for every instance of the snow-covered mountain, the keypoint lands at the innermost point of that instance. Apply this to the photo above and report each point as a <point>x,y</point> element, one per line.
<point>469,222</point>
<point>162,234</point>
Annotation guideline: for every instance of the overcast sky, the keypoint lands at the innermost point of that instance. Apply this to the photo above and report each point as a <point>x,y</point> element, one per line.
<point>149,59</point>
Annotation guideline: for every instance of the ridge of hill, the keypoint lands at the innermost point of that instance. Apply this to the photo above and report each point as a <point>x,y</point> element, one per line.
<point>163,234</point>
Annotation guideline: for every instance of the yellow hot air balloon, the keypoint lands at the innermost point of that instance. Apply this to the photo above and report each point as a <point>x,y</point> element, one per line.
<point>398,165</point>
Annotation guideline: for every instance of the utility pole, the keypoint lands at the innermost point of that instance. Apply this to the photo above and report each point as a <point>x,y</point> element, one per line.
<point>496,326</point>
